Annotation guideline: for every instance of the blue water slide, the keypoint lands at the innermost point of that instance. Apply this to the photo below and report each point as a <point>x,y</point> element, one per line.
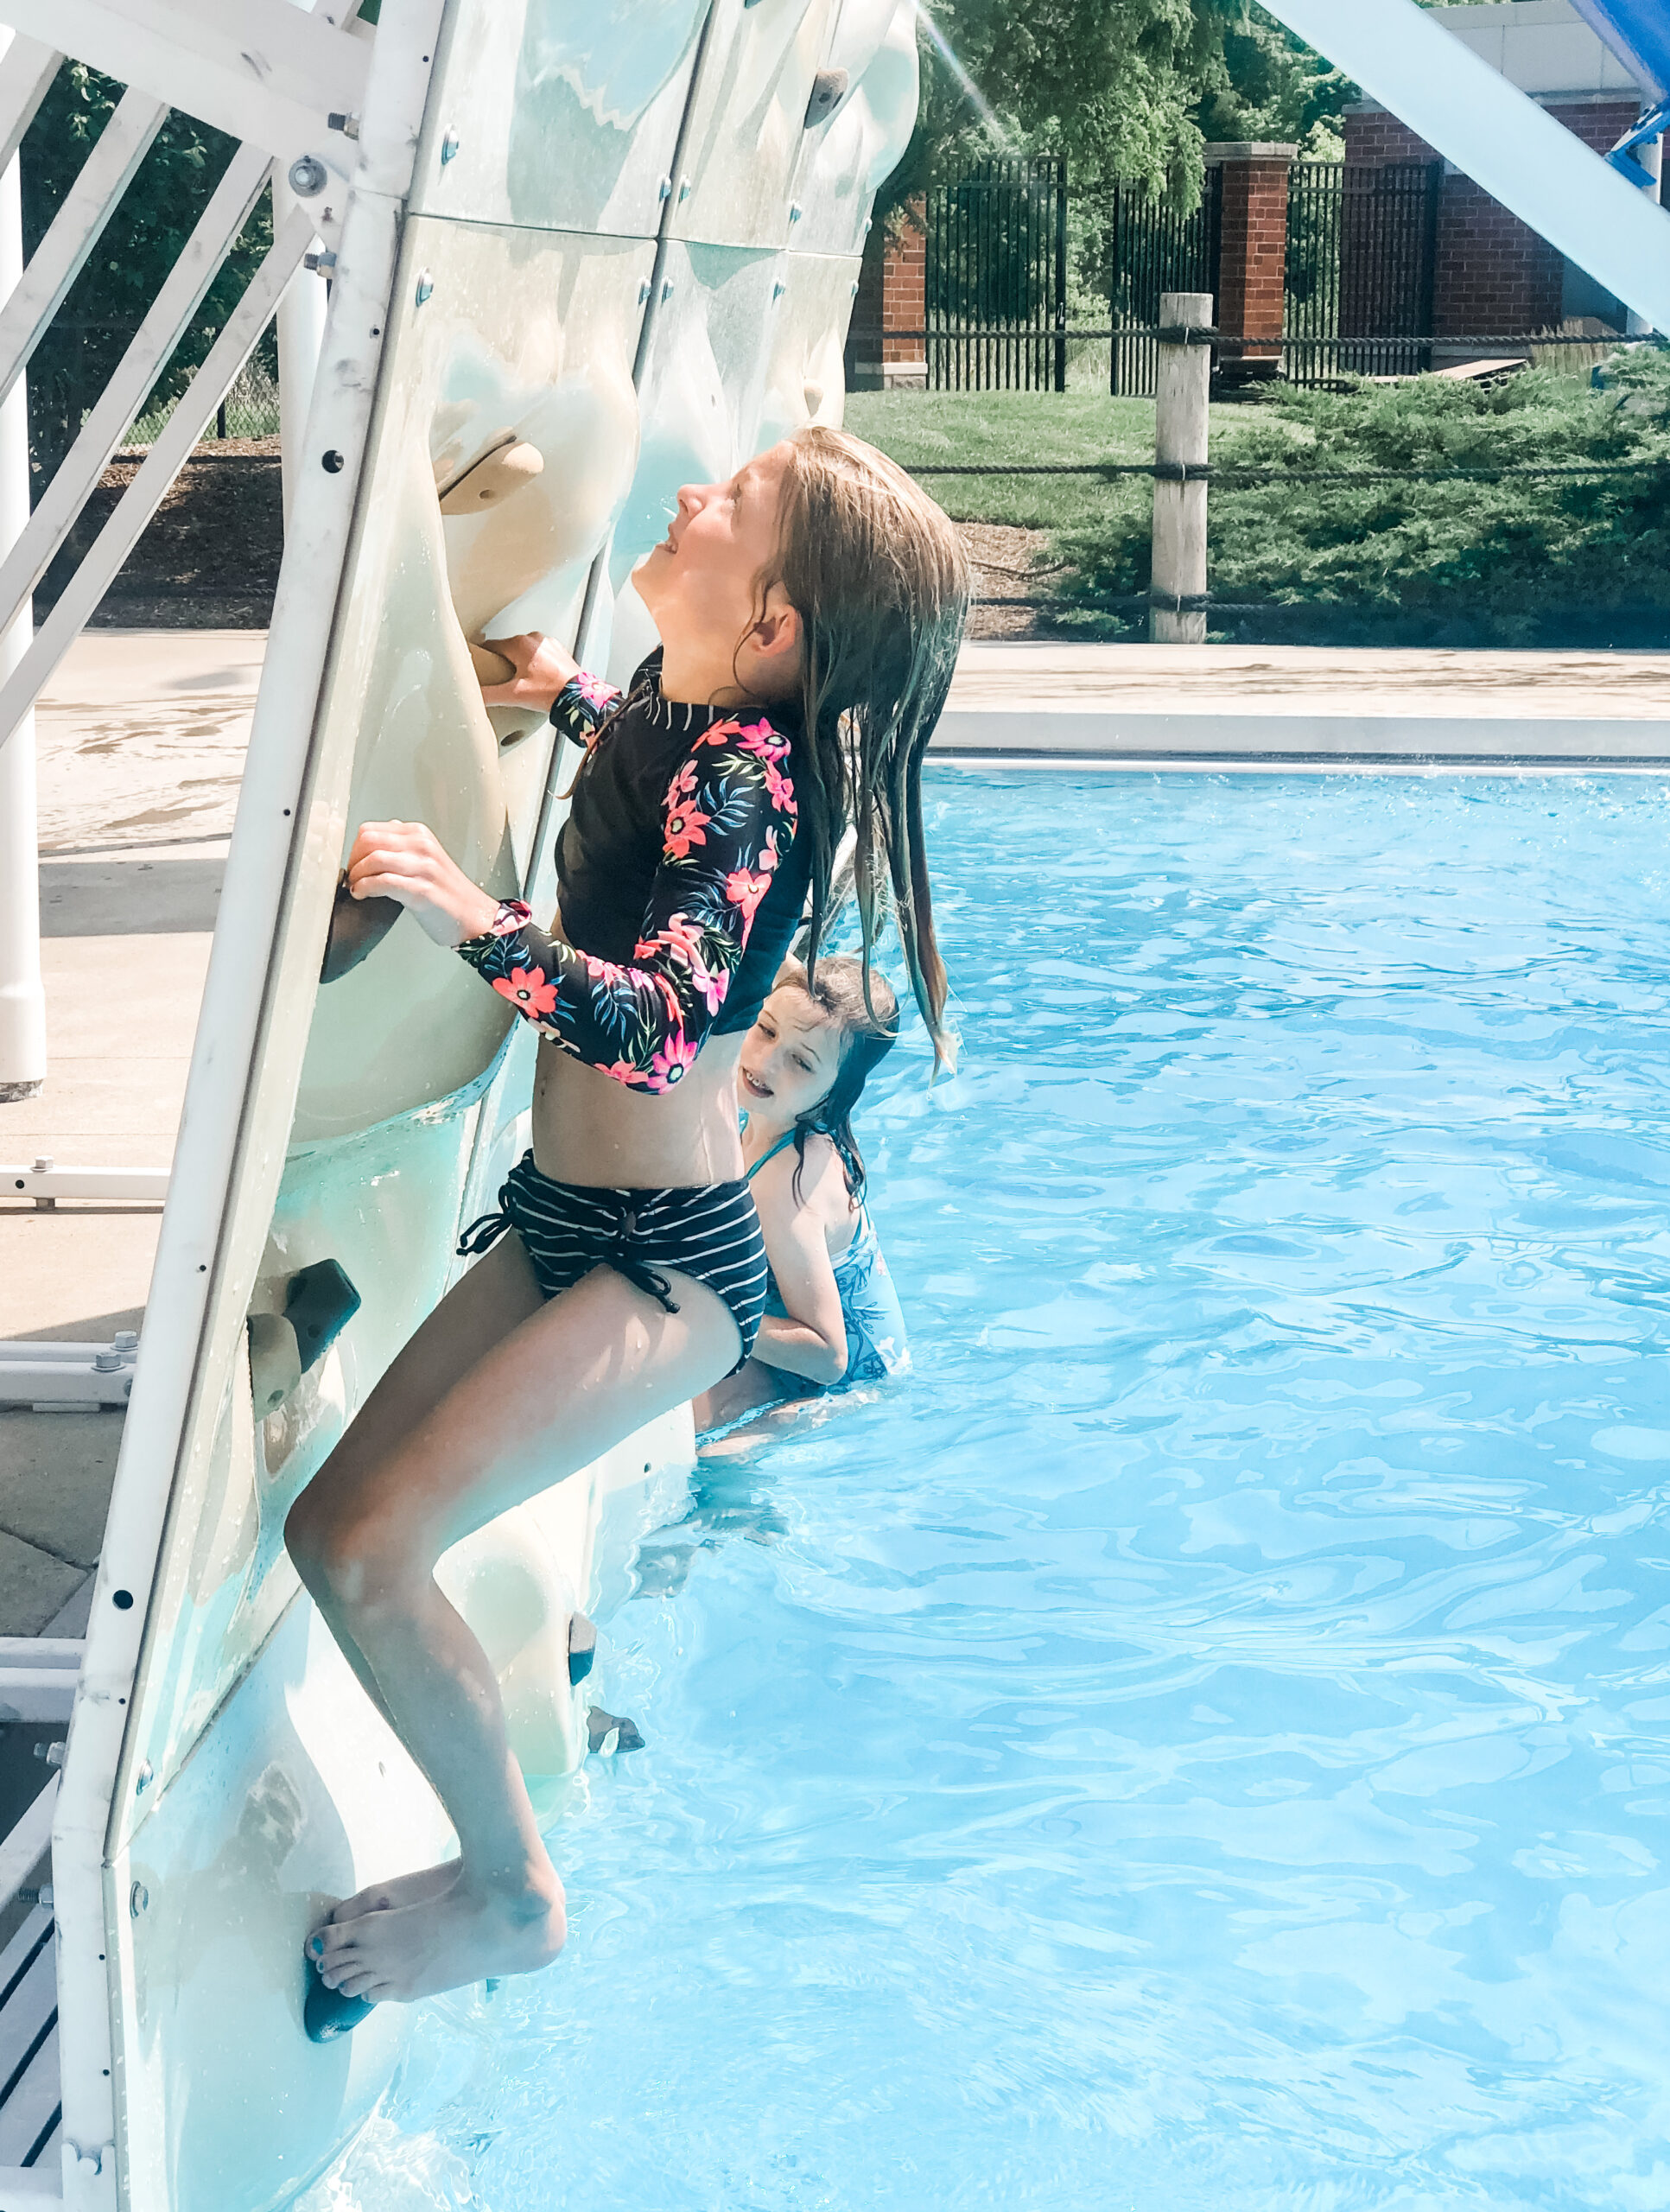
<point>1638,32</point>
<point>1403,57</point>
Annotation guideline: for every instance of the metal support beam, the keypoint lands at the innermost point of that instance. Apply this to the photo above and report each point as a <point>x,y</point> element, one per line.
<point>22,997</point>
<point>259,70</point>
<point>21,1849</point>
<point>87,207</point>
<point>126,392</point>
<point>45,1183</point>
<point>1402,56</point>
<point>27,69</point>
<point>58,1377</point>
<point>190,418</point>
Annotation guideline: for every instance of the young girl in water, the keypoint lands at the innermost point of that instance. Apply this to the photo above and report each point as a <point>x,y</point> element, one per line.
<point>832,1315</point>
<point>809,612</point>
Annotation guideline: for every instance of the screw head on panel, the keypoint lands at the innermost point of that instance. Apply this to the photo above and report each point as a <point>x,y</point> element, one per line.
<point>309,177</point>
<point>332,463</point>
<point>138,1898</point>
<point>449,146</point>
<point>425,287</point>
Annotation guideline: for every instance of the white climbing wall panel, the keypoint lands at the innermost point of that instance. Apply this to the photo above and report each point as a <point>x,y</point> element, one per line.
<point>591,249</point>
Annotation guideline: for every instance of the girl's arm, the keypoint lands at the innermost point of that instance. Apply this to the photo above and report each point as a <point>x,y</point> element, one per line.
<point>552,680</point>
<point>728,818</point>
<point>812,1340</point>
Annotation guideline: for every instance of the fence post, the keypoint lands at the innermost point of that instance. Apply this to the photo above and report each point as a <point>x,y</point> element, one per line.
<point>1178,563</point>
<point>1061,276</point>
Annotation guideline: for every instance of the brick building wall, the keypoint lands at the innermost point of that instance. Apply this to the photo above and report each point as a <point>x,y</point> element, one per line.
<point>1494,275</point>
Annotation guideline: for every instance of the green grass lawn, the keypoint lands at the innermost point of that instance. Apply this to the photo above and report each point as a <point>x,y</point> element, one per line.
<point>1522,562</point>
<point>917,428</point>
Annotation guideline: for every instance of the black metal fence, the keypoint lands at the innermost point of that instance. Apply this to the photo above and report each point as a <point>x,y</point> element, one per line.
<point>996,277</point>
<point>1361,250</point>
<point>1155,250</point>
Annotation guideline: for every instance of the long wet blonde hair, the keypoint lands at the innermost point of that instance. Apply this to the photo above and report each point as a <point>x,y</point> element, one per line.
<point>878,575</point>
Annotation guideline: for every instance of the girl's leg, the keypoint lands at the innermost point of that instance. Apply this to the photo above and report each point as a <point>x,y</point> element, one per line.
<point>756,1384</point>
<point>480,1310</point>
<point>568,1381</point>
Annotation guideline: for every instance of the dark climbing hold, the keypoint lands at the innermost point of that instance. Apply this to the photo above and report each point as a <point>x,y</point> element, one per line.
<point>326,2013</point>
<point>829,90</point>
<point>319,1304</point>
<point>582,1646</point>
<point>600,1726</point>
<point>358,926</point>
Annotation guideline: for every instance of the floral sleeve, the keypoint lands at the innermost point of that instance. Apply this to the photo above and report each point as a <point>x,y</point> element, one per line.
<point>727,821</point>
<point>581,705</point>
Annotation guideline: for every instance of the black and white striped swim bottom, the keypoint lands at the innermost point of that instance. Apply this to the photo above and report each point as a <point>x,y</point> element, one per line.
<point>709,1230</point>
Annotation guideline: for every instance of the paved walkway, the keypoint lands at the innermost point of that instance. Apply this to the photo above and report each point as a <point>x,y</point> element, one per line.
<point>140,746</point>
<point>140,743</point>
<point>1187,705</point>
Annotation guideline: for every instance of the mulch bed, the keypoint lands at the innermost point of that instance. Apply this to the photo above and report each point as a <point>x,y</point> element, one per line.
<point>209,560</point>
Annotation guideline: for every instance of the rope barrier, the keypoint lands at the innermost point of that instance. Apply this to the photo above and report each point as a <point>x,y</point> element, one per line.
<point>1241,480</point>
<point>1174,334</point>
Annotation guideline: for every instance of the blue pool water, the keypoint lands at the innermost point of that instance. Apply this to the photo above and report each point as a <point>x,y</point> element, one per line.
<point>1200,1745</point>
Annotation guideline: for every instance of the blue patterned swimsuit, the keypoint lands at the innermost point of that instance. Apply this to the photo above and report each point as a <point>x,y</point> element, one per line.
<point>877,1345</point>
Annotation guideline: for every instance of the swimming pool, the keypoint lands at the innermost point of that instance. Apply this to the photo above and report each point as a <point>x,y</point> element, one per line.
<point>1201,1743</point>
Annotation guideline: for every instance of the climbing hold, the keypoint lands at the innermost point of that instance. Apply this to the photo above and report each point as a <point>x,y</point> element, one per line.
<point>490,667</point>
<point>828,89</point>
<point>358,926</point>
<point>275,1362</point>
<point>609,1733</point>
<point>582,1646</point>
<point>320,1303</point>
<point>508,463</point>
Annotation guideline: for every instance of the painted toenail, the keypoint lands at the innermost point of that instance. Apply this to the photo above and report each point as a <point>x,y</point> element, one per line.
<point>317,1946</point>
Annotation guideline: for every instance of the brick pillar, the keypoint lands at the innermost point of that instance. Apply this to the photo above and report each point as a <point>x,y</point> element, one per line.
<point>905,296</point>
<point>1252,252</point>
<point>893,294</point>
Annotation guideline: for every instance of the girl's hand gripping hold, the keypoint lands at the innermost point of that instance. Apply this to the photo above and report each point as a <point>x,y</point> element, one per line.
<point>405,860</point>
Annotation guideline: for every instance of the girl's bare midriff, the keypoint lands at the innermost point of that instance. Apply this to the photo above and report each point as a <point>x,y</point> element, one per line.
<point>589,1129</point>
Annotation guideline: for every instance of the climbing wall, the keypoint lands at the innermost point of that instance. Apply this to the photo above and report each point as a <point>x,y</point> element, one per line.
<point>622,258</point>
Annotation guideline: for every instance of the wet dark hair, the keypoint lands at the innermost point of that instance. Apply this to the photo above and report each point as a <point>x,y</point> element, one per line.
<point>878,577</point>
<point>862,1006</point>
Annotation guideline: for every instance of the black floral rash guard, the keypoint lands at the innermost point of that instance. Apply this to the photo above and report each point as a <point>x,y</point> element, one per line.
<point>727,822</point>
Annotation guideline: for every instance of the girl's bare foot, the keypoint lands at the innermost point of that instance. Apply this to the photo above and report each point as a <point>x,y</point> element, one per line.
<point>468,1932</point>
<point>400,1890</point>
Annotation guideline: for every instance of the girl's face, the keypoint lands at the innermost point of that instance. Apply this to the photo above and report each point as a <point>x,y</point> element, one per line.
<point>790,1058</point>
<point>701,582</point>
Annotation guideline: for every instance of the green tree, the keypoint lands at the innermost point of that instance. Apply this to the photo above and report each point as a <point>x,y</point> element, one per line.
<point>1267,84</point>
<point>1126,89</point>
<point>130,261</point>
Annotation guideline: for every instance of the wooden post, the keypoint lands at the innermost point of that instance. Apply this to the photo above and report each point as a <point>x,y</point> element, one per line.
<point>1177,566</point>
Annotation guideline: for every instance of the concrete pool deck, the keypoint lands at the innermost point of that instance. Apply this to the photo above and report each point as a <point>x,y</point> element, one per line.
<point>1276,707</point>
<point>141,739</point>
